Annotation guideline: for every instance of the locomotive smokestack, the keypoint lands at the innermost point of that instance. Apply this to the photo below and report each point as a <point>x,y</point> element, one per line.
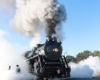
<point>32,15</point>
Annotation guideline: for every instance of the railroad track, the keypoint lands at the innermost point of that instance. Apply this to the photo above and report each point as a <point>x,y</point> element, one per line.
<point>94,78</point>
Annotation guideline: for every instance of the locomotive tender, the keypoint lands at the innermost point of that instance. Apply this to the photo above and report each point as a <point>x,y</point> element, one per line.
<point>46,60</point>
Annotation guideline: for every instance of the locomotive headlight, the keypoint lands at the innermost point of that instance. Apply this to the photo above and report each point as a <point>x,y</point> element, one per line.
<point>56,49</point>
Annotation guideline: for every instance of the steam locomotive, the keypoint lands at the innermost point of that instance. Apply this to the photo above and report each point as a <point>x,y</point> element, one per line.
<point>46,60</point>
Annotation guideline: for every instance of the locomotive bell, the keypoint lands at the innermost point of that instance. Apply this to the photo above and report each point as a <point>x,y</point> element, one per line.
<point>49,38</point>
<point>54,39</point>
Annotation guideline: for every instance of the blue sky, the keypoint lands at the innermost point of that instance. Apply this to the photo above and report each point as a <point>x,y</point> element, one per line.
<point>81,29</point>
<point>82,26</point>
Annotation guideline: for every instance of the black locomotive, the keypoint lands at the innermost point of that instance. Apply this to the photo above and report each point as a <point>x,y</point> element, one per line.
<point>46,60</point>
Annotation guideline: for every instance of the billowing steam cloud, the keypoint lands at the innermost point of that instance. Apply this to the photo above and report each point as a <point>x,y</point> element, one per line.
<point>9,56</point>
<point>87,68</point>
<point>32,15</point>
<point>35,40</point>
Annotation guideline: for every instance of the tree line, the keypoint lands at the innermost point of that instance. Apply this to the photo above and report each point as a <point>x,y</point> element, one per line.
<point>81,56</point>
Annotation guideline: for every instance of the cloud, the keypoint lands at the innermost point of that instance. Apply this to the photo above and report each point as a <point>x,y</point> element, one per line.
<point>1,33</point>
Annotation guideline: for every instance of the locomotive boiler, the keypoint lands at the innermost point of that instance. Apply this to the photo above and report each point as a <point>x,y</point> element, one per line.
<point>46,60</point>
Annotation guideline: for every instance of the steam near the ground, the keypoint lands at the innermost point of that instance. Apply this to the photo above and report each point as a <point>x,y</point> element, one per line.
<point>34,15</point>
<point>86,68</point>
<point>10,56</point>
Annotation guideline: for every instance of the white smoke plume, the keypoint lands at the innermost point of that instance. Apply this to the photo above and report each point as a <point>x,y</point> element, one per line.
<point>59,33</point>
<point>35,40</point>
<point>10,56</point>
<point>32,15</point>
<point>86,68</point>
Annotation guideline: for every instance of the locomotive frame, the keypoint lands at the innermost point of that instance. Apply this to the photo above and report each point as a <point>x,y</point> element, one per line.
<point>45,67</point>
